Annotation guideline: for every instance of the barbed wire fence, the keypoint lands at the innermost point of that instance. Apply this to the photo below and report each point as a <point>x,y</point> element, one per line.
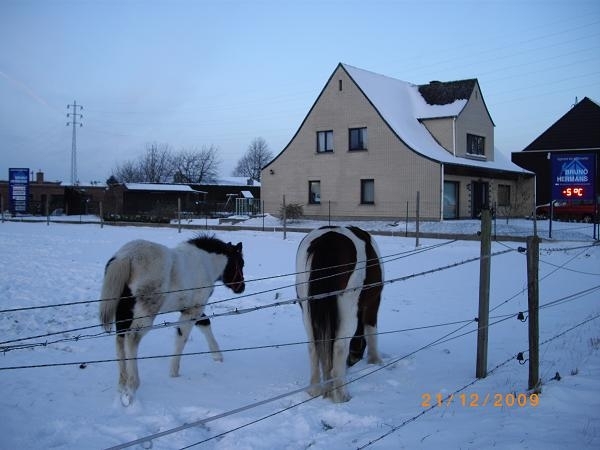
<point>17,344</point>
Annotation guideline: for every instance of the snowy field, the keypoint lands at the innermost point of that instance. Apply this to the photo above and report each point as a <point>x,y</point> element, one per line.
<point>58,376</point>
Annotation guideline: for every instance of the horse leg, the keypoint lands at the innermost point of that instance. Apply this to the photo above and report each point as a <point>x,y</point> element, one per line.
<point>357,344</point>
<point>132,339</point>
<point>120,341</point>
<point>131,344</point>
<point>183,332</point>
<point>347,308</point>
<point>372,352</point>
<point>314,389</point>
<point>338,392</point>
<point>204,325</point>
<point>369,318</point>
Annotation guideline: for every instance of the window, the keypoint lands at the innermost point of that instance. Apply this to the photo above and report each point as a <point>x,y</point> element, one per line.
<point>503,195</point>
<point>358,138</point>
<point>475,145</point>
<point>367,192</point>
<point>314,192</point>
<point>324,141</point>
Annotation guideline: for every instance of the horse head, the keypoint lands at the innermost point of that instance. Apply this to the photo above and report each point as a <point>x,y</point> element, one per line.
<point>233,275</point>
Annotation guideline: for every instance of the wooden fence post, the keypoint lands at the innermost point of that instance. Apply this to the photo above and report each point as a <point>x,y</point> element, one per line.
<point>417,217</point>
<point>101,216</point>
<point>284,219</point>
<point>533,303</point>
<point>484,294</point>
<point>179,214</point>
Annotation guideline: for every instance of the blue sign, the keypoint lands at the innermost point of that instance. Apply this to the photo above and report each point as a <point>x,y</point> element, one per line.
<point>18,190</point>
<point>573,176</point>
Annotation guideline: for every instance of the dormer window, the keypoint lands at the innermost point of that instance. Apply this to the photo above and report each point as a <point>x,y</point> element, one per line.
<point>475,145</point>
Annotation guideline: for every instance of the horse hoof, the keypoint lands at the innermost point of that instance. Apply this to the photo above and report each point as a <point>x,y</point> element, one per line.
<point>351,360</point>
<point>126,399</point>
<point>340,397</point>
<point>377,360</point>
<point>314,391</point>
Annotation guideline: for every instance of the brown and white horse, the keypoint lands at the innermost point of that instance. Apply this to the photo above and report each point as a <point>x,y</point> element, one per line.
<point>339,272</point>
<point>144,279</point>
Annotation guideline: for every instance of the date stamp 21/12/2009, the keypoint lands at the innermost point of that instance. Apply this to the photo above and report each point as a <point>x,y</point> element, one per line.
<point>475,400</point>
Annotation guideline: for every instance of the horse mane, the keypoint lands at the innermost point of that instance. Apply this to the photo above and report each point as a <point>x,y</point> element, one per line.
<point>209,243</point>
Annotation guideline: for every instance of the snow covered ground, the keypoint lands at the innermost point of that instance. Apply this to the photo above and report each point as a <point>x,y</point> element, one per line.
<point>58,390</point>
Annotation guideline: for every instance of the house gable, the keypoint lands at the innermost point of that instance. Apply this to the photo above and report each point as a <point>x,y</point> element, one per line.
<point>475,120</point>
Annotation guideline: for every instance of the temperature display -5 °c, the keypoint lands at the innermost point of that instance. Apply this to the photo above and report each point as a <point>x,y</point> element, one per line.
<point>573,192</point>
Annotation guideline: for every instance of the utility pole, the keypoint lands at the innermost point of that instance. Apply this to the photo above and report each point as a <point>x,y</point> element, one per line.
<point>75,120</point>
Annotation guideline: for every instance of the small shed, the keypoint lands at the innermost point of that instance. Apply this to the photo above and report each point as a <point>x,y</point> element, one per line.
<point>150,201</point>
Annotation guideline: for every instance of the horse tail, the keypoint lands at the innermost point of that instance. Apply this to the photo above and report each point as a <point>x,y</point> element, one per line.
<point>333,259</point>
<point>116,276</point>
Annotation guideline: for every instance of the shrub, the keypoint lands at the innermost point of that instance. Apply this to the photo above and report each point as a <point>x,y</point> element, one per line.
<point>293,211</point>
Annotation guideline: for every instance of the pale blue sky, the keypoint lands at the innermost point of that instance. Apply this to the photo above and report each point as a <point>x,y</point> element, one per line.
<point>194,73</point>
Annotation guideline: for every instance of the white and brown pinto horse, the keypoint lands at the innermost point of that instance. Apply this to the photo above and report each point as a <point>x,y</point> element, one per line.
<point>144,279</point>
<point>339,272</point>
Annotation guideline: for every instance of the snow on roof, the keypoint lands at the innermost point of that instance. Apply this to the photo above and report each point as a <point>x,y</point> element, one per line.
<point>235,181</point>
<point>159,187</point>
<point>401,105</point>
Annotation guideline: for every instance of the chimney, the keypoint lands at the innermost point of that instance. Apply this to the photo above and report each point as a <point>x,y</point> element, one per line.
<point>39,177</point>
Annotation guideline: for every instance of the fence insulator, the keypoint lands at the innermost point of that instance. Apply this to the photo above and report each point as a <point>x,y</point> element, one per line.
<point>557,377</point>
<point>522,249</point>
<point>521,317</point>
<point>521,358</point>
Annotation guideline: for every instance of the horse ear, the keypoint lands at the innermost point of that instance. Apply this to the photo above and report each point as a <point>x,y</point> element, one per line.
<point>239,246</point>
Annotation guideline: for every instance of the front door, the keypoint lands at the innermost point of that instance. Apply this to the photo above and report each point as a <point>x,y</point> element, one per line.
<point>450,200</point>
<point>479,197</point>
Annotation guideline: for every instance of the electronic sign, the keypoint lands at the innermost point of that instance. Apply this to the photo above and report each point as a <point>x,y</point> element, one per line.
<point>573,176</point>
<point>18,190</point>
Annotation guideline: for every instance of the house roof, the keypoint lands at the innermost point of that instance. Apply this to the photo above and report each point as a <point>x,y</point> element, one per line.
<point>443,93</point>
<point>578,129</point>
<point>402,104</point>
<point>158,187</point>
<point>235,181</point>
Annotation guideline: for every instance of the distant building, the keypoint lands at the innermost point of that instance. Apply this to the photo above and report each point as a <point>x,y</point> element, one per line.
<point>46,197</point>
<point>161,200</point>
<point>140,201</point>
<point>577,131</point>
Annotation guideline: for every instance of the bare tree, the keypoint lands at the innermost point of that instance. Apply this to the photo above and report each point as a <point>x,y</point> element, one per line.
<point>255,158</point>
<point>127,172</point>
<point>155,166</point>
<point>197,166</point>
